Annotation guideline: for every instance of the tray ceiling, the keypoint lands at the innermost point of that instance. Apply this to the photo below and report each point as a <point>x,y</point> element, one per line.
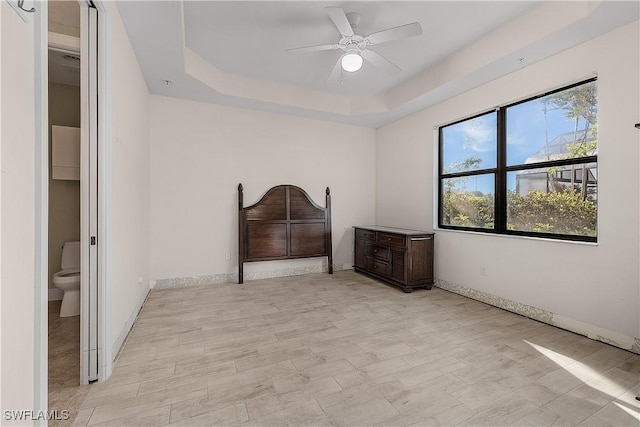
<point>234,52</point>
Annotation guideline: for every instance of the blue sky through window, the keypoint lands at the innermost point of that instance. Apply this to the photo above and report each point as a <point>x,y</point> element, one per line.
<point>475,137</point>
<point>529,130</point>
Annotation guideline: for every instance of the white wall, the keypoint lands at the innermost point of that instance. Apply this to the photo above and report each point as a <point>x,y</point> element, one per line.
<point>129,144</point>
<point>592,288</point>
<point>17,221</point>
<point>199,154</point>
<point>64,17</point>
<point>1,204</point>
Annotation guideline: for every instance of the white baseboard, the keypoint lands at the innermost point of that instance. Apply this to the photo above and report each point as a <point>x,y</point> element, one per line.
<point>596,333</point>
<point>55,294</point>
<point>215,279</point>
<point>124,333</point>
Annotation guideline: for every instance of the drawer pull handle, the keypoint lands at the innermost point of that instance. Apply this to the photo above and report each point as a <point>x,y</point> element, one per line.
<point>420,238</point>
<point>389,238</point>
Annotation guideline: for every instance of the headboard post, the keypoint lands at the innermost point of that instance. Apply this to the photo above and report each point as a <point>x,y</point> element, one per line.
<point>328,232</point>
<point>241,236</point>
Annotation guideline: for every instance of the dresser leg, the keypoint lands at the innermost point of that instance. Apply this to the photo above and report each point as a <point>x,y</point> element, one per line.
<point>407,289</point>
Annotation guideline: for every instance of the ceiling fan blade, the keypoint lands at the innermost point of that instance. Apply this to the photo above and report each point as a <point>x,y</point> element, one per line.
<point>401,32</point>
<point>336,72</point>
<point>317,48</point>
<point>340,20</point>
<point>380,61</point>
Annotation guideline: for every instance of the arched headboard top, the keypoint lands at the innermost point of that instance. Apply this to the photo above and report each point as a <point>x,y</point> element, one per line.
<point>284,224</point>
<point>273,204</point>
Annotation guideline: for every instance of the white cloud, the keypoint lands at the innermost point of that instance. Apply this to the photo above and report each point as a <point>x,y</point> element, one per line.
<point>479,136</point>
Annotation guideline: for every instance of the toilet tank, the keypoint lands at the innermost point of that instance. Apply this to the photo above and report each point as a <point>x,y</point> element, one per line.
<point>70,255</point>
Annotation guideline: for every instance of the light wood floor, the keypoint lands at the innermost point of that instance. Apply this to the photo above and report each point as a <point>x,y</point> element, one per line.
<point>64,363</point>
<point>347,350</point>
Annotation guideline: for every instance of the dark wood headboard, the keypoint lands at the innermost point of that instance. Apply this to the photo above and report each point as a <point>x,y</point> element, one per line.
<point>284,224</point>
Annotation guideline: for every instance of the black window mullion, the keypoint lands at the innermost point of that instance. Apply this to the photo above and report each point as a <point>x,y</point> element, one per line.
<point>501,174</point>
<point>468,173</point>
<point>440,172</point>
<point>552,163</point>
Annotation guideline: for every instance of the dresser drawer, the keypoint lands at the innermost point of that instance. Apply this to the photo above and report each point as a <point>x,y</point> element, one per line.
<point>378,252</point>
<point>376,266</point>
<point>365,234</point>
<point>391,239</point>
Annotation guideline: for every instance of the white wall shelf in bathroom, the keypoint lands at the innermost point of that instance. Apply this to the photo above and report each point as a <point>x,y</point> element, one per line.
<point>65,153</point>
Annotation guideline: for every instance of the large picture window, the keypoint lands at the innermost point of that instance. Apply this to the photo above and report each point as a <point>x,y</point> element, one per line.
<point>529,168</point>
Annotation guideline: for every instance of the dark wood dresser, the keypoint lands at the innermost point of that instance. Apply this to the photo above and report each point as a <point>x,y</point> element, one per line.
<point>397,256</point>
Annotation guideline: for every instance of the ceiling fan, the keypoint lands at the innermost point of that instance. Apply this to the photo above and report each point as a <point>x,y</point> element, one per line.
<point>356,47</point>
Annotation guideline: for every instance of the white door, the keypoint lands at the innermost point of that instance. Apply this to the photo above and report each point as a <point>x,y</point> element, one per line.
<point>89,339</point>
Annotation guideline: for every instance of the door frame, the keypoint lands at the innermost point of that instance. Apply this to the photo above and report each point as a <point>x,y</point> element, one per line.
<point>89,212</point>
<point>41,270</point>
<point>94,329</point>
<point>105,354</point>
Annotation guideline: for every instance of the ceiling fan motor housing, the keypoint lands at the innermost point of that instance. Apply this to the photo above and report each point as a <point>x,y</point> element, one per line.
<point>352,42</point>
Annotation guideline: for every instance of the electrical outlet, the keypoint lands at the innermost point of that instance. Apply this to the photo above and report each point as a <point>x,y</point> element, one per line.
<point>140,280</point>
<point>483,271</point>
<point>227,256</point>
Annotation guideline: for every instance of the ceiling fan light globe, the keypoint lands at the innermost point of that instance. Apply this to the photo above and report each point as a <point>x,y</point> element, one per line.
<point>351,62</point>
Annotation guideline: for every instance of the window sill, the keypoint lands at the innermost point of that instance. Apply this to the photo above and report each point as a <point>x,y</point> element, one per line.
<point>509,236</point>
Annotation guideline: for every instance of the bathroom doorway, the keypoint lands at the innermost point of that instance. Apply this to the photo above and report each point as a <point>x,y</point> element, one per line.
<point>77,340</point>
<point>64,323</point>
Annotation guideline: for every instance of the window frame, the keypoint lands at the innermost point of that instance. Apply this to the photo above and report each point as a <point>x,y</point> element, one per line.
<point>501,171</point>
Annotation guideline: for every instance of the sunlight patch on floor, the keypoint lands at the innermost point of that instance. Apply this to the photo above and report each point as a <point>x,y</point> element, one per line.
<point>633,412</point>
<point>581,371</point>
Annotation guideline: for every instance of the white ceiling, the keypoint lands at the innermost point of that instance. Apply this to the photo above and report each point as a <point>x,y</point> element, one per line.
<point>234,52</point>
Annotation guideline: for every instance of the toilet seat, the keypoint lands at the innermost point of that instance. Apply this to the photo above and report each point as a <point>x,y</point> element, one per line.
<point>67,276</point>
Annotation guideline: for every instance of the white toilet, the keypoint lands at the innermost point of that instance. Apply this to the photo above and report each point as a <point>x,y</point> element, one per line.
<point>68,279</point>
